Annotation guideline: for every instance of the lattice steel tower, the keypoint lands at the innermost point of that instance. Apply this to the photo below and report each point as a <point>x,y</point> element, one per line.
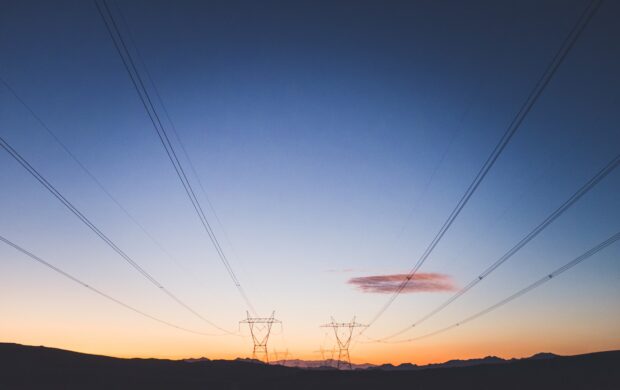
<point>322,351</point>
<point>343,339</point>
<point>260,334</point>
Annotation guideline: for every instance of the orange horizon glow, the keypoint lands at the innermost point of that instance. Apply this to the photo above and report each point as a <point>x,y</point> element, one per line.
<point>416,353</point>
<point>396,165</point>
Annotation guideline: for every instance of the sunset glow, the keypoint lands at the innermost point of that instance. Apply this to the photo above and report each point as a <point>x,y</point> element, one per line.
<point>325,147</point>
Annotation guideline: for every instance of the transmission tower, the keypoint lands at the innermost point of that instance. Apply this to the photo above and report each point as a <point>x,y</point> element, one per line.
<point>260,334</point>
<point>343,339</point>
<point>323,351</point>
<point>279,359</point>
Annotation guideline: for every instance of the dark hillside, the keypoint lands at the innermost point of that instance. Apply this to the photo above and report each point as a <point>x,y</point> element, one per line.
<point>25,367</point>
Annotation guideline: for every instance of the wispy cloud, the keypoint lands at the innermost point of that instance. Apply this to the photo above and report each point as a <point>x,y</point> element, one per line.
<point>343,270</point>
<point>421,282</point>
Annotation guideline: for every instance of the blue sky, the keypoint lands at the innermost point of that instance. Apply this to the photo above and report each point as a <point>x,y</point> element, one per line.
<point>315,129</point>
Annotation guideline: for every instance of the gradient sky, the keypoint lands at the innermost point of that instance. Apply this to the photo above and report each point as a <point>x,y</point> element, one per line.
<point>315,129</point>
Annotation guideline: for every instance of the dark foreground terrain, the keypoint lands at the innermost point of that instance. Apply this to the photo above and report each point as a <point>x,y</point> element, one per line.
<point>25,367</point>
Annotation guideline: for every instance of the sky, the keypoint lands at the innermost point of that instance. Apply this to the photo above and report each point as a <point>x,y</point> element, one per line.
<point>333,140</point>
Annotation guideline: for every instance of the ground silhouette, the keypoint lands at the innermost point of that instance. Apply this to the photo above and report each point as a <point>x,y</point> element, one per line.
<point>26,367</point>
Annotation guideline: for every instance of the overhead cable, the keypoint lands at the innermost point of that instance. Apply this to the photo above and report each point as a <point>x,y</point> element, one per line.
<point>514,125</point>
<point>99,292</point>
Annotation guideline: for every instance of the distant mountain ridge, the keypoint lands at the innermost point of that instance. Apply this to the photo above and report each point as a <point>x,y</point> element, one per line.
<point>330,363</point>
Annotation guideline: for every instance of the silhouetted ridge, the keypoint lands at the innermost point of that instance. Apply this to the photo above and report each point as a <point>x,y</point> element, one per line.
<point>27,367</point>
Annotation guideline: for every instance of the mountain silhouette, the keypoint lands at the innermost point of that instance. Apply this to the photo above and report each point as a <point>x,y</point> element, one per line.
<point>330,363</point>
<point>28,367</point>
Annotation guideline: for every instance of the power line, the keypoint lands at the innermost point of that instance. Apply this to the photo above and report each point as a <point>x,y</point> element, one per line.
<point>455,134</point>
<point>147,102</point>
<point>174,128</point>
<point>91,175</point>
<point>438,164</point>
<point>429,180</point>
<point>521,292</point>
<point>26,165</point>
<point>516,122</point>
<point>613,164</point>
<point>97,291</point>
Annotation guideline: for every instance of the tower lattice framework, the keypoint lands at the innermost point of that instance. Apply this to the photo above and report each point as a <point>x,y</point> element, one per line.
<point>343,339</point>
<point>260,329</point>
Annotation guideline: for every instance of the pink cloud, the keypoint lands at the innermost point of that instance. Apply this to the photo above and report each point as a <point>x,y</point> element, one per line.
<point>421,282</point>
